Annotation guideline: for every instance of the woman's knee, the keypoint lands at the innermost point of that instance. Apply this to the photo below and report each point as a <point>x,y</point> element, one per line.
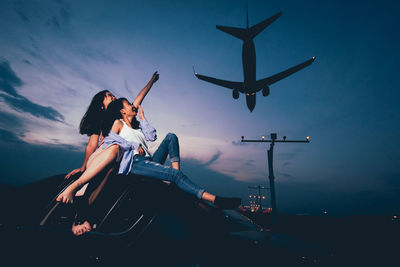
<point>171,136</point>
<point>114,149</point>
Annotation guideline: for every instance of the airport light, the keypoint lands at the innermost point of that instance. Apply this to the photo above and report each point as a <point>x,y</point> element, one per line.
<point>258,197</point>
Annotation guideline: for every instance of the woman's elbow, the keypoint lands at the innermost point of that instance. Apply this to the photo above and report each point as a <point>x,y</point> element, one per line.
<point>152,138</point>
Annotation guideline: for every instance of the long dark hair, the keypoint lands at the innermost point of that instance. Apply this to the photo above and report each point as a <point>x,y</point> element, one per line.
<point>114,113</point>
<point>92,120</point>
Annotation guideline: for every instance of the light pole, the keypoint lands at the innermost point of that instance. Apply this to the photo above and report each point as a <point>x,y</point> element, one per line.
<point>271,176</point>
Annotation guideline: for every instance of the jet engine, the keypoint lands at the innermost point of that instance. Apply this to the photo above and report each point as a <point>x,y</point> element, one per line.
<point>265,91</point>
<point>235,94</point>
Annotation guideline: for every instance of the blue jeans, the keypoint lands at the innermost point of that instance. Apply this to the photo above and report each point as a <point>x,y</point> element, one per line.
<point>153,168</point>
<point>169,145</point>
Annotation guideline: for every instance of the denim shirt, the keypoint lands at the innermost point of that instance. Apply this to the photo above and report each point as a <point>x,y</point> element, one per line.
<point>149,131</point>
<point>128,148</point>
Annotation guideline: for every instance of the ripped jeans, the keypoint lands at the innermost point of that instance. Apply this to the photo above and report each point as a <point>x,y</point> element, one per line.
<point>169,145</point>
<point>153,168</point>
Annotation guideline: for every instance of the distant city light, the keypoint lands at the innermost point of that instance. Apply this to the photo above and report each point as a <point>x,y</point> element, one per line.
<point>325,212</point>
<point>308,138</point>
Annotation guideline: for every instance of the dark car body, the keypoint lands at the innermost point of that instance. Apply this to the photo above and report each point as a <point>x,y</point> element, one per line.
<point>138,220</point>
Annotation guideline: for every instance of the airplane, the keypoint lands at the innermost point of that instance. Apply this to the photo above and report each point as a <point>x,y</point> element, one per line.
<point>251,86</point>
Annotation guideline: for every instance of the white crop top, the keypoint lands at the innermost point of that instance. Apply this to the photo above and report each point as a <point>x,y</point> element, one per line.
<point>134,135</point>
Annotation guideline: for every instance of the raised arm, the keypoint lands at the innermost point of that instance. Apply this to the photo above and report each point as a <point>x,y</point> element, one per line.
<point>139,98</point>
<point>90,148</point>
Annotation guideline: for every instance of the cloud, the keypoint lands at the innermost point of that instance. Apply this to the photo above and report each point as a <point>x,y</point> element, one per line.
<point>97,55</point>
<point>214,181</point>
<point>8,79</point>
<point>8,82</point>
<point>24,163</point>
<point>10,137</point>
<point>10,121</point>
<point>27,62</point>
<point>285,156</point>
<point>213,159</point>
<point>250,162</point>
<point>54,14</point>
<point>53,21</point>
<point>21,14</point>
<point>20,103</point>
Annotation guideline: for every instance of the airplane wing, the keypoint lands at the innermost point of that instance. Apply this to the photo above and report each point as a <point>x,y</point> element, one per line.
<point>227,84</point>
<point>281,75</point>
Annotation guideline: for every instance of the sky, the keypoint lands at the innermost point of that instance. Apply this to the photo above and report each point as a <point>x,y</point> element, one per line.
<point>56,55</point>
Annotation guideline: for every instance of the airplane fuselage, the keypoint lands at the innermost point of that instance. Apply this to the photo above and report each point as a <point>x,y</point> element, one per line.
<point>249,64</point>
<point>249,72</point>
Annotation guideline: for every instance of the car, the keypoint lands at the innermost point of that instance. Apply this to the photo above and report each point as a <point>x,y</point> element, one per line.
<point>137,220</point>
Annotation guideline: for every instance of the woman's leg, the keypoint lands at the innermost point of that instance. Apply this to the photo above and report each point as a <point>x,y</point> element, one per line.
<point>142,166</point>
<point>100,162</point>
<point>99,188</point>
<point>169,146</point>
<point>84,219</point>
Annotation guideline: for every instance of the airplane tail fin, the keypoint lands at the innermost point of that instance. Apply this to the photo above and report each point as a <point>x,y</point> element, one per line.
<point>249,33</point>
<point>237,32</point>
<point>256,29</point>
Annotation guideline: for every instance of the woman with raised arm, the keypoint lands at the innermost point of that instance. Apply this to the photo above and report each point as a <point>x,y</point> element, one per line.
<point>91,121</point>
<point>123,131</point>
<point>91,125</point>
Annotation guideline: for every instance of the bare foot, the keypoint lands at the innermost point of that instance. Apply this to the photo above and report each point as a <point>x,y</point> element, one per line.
<point>80,229</point>
<point>67,196</point>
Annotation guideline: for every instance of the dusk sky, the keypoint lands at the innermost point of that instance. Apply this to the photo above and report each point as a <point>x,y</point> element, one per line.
<point>56,55</point>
